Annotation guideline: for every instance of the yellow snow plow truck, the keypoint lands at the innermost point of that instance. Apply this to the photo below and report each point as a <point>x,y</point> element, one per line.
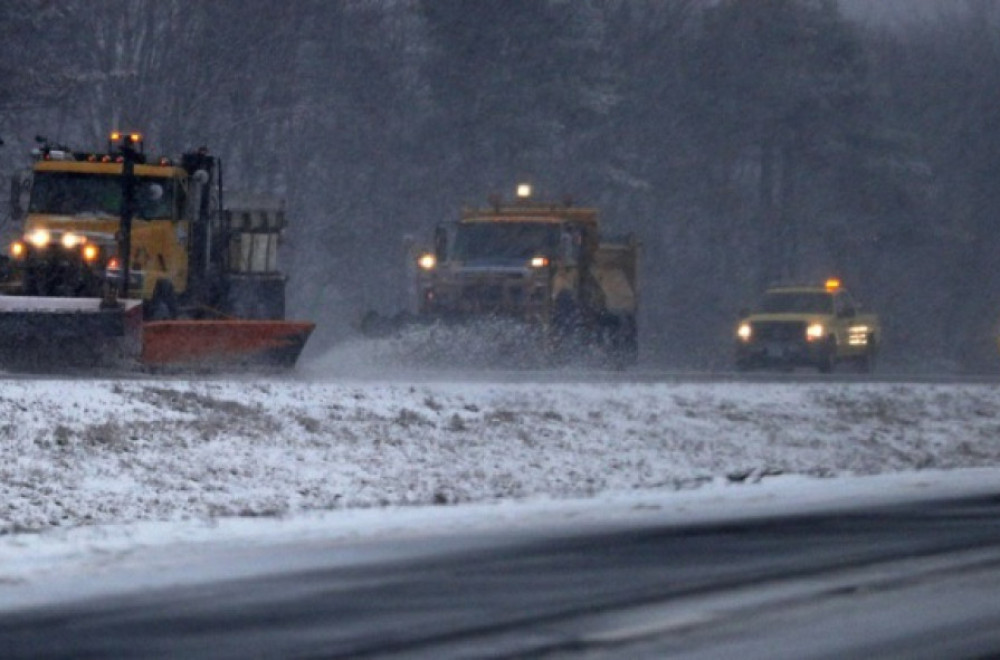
<point>541,265</point>
<point>127,257</point>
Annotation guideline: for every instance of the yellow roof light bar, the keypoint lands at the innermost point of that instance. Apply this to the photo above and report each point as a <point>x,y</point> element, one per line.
<point>120,139</point>
<point>832,284</point>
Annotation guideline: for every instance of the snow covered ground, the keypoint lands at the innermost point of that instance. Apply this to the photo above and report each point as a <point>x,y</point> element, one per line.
<point>91,467</point>
<point>87,452</point>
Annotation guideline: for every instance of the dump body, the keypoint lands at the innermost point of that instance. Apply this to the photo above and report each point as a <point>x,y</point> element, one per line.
<point>541,264</point>
<point>105,234</point>
<point>812,326</point>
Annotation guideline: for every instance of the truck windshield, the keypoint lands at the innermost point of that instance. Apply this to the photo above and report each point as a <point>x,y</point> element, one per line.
<point>797,302</point>
<point>74,193</point>
<point>504,241</point>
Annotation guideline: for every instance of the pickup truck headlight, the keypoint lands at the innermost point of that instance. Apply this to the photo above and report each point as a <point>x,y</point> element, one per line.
<point>857,335</point>
<point>815,331</point>
<point>744,331</point>
<point>427,261</point>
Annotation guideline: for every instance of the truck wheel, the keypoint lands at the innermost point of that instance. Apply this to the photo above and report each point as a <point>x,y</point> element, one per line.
<point>829,360</point>
<point>163,305</point>
<point>620,341</point>
<point>566,316</point>
<point>866,363</point>
<point>566,326</point>
<point>627,342</point>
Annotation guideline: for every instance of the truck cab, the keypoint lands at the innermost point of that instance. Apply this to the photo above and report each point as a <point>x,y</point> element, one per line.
<point>71,226</point>
<point>809,326</point>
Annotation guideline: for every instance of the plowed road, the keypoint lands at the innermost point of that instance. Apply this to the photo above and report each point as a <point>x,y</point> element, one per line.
<point>921,580</point>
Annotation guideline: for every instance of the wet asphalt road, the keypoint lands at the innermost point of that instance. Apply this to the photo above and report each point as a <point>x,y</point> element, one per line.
<point>713,590</point>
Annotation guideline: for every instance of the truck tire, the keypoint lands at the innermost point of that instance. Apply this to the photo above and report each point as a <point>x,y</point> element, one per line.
<point>566,340</point>
<point>163,305</point>
<point>866,363</point>
<point>623,349</point>
<point>828,361</point>
<point>566,315</point>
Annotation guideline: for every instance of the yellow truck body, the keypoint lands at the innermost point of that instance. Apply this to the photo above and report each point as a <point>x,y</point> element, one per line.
<point>810,326</point>
<point>56,222</point>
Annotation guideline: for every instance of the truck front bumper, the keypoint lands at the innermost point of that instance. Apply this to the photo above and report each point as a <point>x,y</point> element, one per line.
<point>777,354</point>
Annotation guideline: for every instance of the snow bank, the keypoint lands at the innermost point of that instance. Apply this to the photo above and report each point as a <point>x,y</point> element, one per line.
<point>89,452</point>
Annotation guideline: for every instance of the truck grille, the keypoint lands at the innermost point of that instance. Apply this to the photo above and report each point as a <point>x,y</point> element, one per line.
<point>492,297</point>
<point>783,331</point>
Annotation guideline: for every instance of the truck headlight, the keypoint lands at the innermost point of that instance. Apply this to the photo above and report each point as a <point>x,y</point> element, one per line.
<point>815,331</point>
<point>71,240</point>
<point>39,238</point>
<point>857,335</point>
<point>18,250</point>
<point>539,262</point>
<point>427,261</point>
<point>90,252</point>
<point>744,331</point>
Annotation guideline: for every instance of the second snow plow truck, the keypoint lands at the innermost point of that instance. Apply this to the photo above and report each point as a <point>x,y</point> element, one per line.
<point>125,259</point>
<point>540,264</point>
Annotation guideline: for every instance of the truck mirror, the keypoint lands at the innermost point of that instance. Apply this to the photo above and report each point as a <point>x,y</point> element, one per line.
<point>15,198</point>
<point>440,243</point>
<point>570,244</point>
<point>149,199</point>
<point>566,247</point>
<point>20,187</point>
<point>197,194</point>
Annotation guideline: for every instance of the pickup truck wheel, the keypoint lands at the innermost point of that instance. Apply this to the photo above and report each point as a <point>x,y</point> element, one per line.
<point>828,361</point>
<point>866,363</point>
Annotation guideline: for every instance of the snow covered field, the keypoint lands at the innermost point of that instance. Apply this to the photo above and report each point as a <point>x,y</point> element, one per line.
<point>102,475</point>
<point>81,452</point>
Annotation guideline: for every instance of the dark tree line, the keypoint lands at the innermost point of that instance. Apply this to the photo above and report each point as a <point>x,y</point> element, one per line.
<point>744,142</point>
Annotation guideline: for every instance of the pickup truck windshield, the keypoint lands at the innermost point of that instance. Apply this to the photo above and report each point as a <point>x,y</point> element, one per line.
<point>504,240</point>
<point>797,302</point>
<point>73,193</point>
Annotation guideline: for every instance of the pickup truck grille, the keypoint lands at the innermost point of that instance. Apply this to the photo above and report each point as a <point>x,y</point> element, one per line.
<point>779,331</point>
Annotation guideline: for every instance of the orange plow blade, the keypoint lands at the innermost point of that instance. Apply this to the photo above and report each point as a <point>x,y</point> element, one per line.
<point>225,343</point>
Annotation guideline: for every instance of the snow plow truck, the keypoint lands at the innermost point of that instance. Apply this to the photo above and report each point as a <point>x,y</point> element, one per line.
<point>124,259</point>
<point>543,265</point>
